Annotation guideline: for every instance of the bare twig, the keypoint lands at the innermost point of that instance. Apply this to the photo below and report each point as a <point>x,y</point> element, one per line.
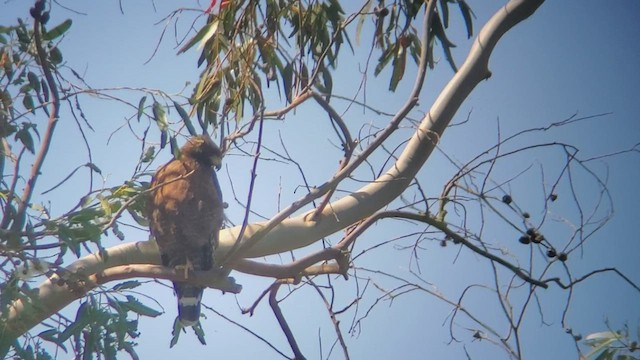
<point>273,301</point>
<point>334,320</point>
<point>347,144</point>
<point>21,213</point>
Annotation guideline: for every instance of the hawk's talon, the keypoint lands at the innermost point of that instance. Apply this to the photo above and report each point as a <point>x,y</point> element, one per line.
<point>188,267</point>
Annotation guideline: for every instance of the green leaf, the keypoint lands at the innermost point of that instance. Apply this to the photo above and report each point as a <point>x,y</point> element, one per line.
<point>85,215</point>
<point>438,31</point>
<point>27,101</point>
<point>444,6</point>
<point>104,204</point>
<point>287,81</point>
<point>45,90</point>
<point>57,31</point>
<point>327,87</point>
<point>130,350</point>
<point>361,21</point>
<point>50,336</point>
<point>466,14</point>
<point>203,35</point>
<point>606,355</point>
<point>25,137</point>
<point>384,59</point>
<point>160,116</point>
<point>175,149</point>
<point>79,323</point>
<point>185,118</point>
<point>141,106</point>
<point>55,56</point>
<point>399,64</point>
<point>148,154</point>
<point>139,308</point>
<point>163,139</point>
<point>131,284</point>
<point>34,81</point>
<point>93,167</point>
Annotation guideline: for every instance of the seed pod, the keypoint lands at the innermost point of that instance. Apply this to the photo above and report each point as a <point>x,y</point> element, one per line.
<point>382,12</point>
<point>507,199</point>
<point>538,238</point>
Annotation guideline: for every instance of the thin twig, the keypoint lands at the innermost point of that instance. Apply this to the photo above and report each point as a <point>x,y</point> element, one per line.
<point>21,215</point>
<point>283,322</point>
<point>334,320</point>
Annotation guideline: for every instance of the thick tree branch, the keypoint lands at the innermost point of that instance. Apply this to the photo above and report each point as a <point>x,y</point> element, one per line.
<point>283,233</point>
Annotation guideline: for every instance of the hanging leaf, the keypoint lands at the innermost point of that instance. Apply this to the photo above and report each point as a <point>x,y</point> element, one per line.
<point>79,323</point>
<point>444,7</point>
<point>57,31</point>
<point>160,116</point>
<point>131,284</point>
<point>287,81</point>
<point>163,139</point>
<point>45,90</point>
<point>148,154</point>
<point>327,85</point>
<point>399,64</point>
<point>438,31</point>
<point>34,81</point>
<point>384,59</point>
<point>27,101</point>
<point>141,106</point>
<point>466,14</point>
<point>203,35</point>
<point>185,118</point>
<point>50,336</point>
<point>55,56</point>
<point>25,137</point>
<point>175,149</point>
<point>361,21</point>
<point>139,308</point>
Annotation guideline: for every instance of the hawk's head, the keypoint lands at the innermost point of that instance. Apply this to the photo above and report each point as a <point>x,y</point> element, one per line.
<point>203,150</point>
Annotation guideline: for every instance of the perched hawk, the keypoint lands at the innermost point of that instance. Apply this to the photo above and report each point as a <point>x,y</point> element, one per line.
<point>185,217</point>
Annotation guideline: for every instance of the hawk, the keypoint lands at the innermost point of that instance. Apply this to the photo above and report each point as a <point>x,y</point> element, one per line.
<point>185,214</point>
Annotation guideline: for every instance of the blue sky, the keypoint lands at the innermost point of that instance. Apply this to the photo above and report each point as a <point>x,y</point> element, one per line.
<point>571,57</point>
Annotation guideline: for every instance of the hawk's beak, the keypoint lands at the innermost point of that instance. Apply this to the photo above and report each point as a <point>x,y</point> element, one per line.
<point>216,161</point>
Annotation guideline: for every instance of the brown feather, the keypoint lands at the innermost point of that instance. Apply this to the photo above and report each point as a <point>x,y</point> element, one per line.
<point>186,213</point>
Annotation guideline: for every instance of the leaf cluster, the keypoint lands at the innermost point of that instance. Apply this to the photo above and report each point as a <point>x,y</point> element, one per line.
<point>250,42</point>
<point>23,89</point>
<point>101,328</point>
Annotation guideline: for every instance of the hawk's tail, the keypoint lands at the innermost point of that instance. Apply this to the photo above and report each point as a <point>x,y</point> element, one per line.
<point>189,298</point>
